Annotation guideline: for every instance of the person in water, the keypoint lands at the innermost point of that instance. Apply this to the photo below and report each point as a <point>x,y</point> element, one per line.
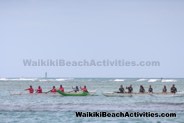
<point>173,89</point>
<point>61,88</point>
<point>130,89</point>
<point>121,89</point>
<point>84,89</point>
<point>76,89</point>
<point>141,90</point>
<point>53,89</point>
<point>164,90</point>
<point>150,90</point>
<point>39,90</point>
<point>30,89</point>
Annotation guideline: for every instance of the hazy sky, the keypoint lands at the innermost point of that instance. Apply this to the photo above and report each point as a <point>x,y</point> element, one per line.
<point>97,29</point>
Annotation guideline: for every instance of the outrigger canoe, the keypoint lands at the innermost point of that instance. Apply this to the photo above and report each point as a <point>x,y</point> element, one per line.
<point>115,94</point>
<point>177,94</point>
<point>76,93</point>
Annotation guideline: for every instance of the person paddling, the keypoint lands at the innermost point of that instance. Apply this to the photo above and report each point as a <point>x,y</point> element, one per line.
<point>150,90</point>
<point>53,90</point>
<point>121,89</point>
<point>84,89</point>
<point>30,89</point>
<point>76,89</point>
<point>164,90</point>
<point>141,90</point>
<point>130,89</point>
<point>39,90</point>
<point>61,88</point>
<point>173,89</point>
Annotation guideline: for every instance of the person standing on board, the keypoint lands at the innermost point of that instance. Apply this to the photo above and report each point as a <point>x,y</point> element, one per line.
<point>121,89</point>
<point>61,88</point>
<point>30,89</point>
<point>173,89</point>
<point>141,90</point>
<point>53,90</point>
<point>130,89</point>
<point>84,89</point>
<point>164,90</point>
<point>150,90</point>
<point>39,90</point>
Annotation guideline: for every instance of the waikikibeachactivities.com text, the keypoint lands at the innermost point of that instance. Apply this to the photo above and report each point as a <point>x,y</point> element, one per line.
<point>88,63</point>
<point>123,114</point>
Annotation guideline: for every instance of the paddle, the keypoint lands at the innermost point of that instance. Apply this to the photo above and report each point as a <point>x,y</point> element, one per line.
<point>120,92</point>
<point>71,91</point>
<point>47,92</point>
<point>19,93</point>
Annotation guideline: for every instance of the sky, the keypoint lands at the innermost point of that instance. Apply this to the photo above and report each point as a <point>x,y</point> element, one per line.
<point>141,30</point>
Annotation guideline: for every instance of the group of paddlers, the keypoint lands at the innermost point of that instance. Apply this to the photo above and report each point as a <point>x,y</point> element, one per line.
<point>173,89</point>
<point>54,89</point>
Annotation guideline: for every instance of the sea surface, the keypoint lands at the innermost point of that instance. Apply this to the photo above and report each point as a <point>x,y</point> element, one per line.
<point>17,106</point>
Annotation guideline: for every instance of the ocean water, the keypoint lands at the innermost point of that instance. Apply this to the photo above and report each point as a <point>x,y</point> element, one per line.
<point>16,106</point>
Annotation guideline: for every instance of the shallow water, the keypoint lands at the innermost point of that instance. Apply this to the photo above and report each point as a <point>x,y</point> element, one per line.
<point>46,108</point>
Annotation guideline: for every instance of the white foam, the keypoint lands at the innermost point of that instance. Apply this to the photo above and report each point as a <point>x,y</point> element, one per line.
<point>141,80</point>
<point>26,79</point>
<point>17,79</point>
<point>153,80</point>
<point>14,79</point>
<point>3,79</point>
<point>119,80</point>
<point>43,80</point>
<point>60,79</point>
<point>169,80</point>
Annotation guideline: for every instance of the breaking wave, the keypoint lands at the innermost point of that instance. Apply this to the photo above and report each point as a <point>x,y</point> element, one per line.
<point>141,80</point>
<point>153,80</point>
<point>119,80</point>
<point>169,80</point>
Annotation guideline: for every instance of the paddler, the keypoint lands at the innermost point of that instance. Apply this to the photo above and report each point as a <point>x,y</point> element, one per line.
<point>39,90</point>
<point>141,90</point>
<point>76,89</point>
<point>84,89</point>
<point>53,90</point>
<point>61,88</point>
<point>130,89</point>
<point>30,89</point>
<point>121,89</point>
<point>164,90</point>
<point>173,89</point>
<point>150,90</point>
